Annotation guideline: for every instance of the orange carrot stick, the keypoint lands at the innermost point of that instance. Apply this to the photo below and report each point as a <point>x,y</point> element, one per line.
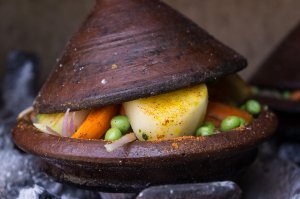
<point>221,111</point>
<point>96,123</point>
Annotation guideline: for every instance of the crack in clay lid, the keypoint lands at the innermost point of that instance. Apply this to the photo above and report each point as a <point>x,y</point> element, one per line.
<point>281,68</point>
<point>130,49</point>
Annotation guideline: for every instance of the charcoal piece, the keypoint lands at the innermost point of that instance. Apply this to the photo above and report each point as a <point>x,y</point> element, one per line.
<point>18,89</point>
<point>117,195</point>
<point>271,178</point>
<point>19,173</point>
<point>214,190</point>
<point>290,152</point>
<point>5,136</point>
<point>15,173</point>
<point>20,83</point>
<point>35,192</point>
<point>20,176</point>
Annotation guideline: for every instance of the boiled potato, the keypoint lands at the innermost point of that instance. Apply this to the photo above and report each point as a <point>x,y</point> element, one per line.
<point>169,115</point>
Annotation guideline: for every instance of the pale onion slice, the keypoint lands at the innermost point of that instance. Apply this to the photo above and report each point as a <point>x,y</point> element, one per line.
<point>46,129</point>
<point>120,142</point>
<point>65,126</point>
<point>72,125</point>
<point>25,112</point>
<point>51,131</point>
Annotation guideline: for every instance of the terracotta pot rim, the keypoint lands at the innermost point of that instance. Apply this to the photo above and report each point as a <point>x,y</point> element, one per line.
<point>28,138</point>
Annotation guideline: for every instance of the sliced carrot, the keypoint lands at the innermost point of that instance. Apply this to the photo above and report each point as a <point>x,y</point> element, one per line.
<point>96,123</point>
<point>220,111</point>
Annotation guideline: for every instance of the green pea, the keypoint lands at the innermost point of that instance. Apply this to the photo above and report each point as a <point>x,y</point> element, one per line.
<point>210,125</point>
<point>113,134</point>
<point>253,107</point>
<point>230,123</point>
<point>204,131</point>
<point>121,122</point>
<point>242,122</point>
<point>286,94</point>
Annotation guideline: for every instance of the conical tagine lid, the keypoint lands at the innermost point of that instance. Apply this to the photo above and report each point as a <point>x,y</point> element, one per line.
<point>282,68</point>
<point>131,49</point>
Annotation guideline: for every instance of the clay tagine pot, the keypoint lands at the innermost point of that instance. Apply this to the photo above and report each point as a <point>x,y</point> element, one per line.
<point>278,74</point>
<point>126,50</point>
